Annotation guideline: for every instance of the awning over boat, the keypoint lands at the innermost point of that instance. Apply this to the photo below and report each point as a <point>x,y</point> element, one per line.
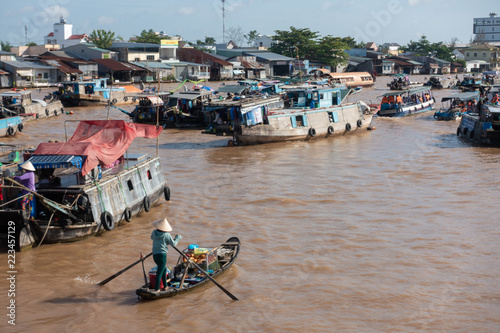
<point>466,96</point>
<point>494,109</point>
<point>409,91</point>
<point>232,88</point>
<point>185,96</point>
<point>56,161</point>
<point>155,100</point>
<point>100,141</point>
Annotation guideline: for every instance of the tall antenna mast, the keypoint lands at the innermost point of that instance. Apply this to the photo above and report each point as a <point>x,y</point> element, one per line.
<point>26,33</point>
<point>223,23</point>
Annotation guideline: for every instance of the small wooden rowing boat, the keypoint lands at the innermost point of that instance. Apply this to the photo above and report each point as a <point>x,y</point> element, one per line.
<point>186,277</point>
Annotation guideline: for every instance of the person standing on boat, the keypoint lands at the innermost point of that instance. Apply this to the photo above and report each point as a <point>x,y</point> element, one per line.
<point>28,181</point>
<point>161,238</point>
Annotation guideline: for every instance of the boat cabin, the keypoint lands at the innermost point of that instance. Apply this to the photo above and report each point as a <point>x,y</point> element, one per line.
<point>351,79</point>
<point>463,101</point>
<point>16,99</point>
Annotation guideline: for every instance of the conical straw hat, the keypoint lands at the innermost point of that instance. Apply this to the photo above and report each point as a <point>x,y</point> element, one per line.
<point>162,225</point>
<point>27,166</point>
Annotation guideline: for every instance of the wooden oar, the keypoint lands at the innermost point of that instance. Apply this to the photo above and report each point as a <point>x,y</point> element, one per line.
<point>208,276</point>
<point>103,282</point>
<point>53,204</point>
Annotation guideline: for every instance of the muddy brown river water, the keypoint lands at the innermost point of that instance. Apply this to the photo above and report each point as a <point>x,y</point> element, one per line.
<point>392,230</point>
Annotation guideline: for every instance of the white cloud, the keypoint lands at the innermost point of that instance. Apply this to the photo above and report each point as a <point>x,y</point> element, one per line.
<point>186,10</point>
<point>413,2</point>
<point>54,12</point>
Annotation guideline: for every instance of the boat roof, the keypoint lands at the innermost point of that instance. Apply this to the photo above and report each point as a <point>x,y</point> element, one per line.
<point>15,93</point>
<point>493,109</point>
<point>408,91</point>
<point>465,96</point>
<point>232,88</point>
<point>190,96</point>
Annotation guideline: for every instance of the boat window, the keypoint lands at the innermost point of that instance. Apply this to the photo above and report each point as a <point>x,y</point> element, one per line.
<point>298,121</point>
<point>130,185</point>
<point>333,117</point>
<point>149,175</point>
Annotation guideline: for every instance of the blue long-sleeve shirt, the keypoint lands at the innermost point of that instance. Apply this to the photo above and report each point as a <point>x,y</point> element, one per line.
<point>160,241</point>
<point>28,180</point>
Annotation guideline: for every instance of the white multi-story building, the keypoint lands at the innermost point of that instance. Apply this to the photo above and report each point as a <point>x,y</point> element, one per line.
<point>489,27</point>
<point>63,35</point>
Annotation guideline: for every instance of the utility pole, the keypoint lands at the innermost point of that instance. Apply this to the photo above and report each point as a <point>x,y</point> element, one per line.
<point>223,23</point>
<point>26,33</point>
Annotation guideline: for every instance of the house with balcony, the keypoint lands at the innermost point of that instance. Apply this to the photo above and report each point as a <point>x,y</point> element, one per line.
<point>30,74</point>
<point>484,52</point>
<point>138,52</point>
<point>219,69</point>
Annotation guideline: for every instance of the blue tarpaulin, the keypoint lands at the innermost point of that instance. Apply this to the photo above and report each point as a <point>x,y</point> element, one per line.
<point>56,161</point>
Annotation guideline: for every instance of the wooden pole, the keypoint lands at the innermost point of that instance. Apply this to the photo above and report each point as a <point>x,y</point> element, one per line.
<point>103,282</point>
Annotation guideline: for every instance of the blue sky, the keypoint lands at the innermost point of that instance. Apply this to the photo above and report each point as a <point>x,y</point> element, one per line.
<point>396,21</point>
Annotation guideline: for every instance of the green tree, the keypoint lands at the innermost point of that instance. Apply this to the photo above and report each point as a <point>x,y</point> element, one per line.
<point>304,39</point>
<point>209,40</point>
<point>32,44</point>
<point>149,37</point>
<point>251,37</point>
<point>421,47</point>
<point>102,38</point>
<point>5,46</point>
<point>330,50</point>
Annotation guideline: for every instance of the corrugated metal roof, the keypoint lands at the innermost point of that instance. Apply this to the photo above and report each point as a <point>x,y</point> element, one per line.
<point>62,66</point>
<point>269,56</point>
<point>144,64</point>
<point>27,64</point>
<point>118,66</point>
<point>252,64</point>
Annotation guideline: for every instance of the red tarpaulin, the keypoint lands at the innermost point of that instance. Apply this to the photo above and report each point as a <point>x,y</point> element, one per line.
<point>101,141</point>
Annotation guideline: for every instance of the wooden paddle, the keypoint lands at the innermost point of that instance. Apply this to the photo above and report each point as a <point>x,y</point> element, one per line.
<point>103,282</point>
<point>207,275</point>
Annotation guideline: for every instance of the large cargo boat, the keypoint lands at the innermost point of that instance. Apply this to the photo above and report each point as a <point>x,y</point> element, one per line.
<point>92,93</point>
<point>482,128</point>
<point>303,113</point>
<point>20,103</point>
<point>86,185</point>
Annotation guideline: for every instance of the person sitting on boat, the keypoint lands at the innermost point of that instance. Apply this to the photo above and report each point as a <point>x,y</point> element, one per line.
<point>385,100</point>
<point>161,238</point>
<point>391,99</point>
<point>494,100</point>
<point>28,181</point>
<point>399,100</point>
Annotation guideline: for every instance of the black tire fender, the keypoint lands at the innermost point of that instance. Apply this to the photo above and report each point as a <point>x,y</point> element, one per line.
<point>107,221</point>
<point>471,134</point>
<point>359,123</point>
<point>20,127</point>
<point>46,112</point>
<point>330,130</point>
<point>37,116</point>
<point>458,131</point>
<point>312,132</point>
<point>166,193</point>
<point>56,113</point>
<point>125,98</point>
<point>10,131</point>
<point>127,214</point>
<point>348,127</point>
<point>134,99</point>
<point>464,132</point>
<point>147,204</point>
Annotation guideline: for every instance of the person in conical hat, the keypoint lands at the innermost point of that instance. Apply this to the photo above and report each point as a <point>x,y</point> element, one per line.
<point>161,238</point>
<point>28,181</point>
